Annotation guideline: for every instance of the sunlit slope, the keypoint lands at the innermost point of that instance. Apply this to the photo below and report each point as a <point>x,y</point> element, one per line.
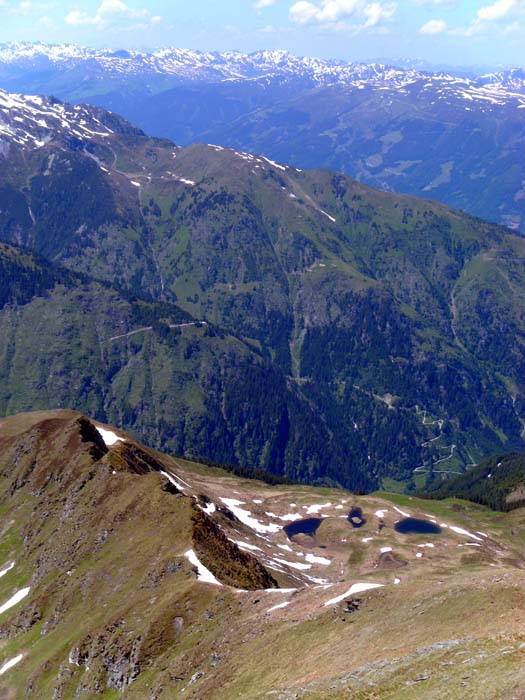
<point>126,573</point>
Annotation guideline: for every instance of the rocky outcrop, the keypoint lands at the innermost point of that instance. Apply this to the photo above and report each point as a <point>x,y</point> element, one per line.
<point>224,559</point>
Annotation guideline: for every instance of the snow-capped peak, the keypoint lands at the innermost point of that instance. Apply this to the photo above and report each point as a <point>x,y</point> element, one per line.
<point>31,120</point>
<point>189,65</point>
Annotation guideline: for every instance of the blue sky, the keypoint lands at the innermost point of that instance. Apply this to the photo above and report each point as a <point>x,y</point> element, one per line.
<point>460,32</point>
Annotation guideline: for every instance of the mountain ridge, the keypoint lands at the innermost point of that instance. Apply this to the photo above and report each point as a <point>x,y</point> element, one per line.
<point>236,64</point>
<point>399,129</point>
<point>346,300</point>
<point>105,591</point>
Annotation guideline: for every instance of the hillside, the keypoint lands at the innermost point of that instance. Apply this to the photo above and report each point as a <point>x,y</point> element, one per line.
<point>498,482</point>
<point>127,573</point>
<point>69,340</point>
<point>454,137</point>
<point>382,320</point>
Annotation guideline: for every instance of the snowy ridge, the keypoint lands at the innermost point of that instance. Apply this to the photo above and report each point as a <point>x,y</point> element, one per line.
<point>199,65</point>
<point>194,65</point>
<point>31,120</point>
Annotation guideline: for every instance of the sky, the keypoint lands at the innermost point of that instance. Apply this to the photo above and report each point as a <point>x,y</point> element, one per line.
<point>449,32</point>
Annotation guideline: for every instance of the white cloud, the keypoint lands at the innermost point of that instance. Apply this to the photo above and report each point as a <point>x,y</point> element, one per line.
<point>488,14</point>
<point>434,26</point>
<point>377,12</point>
<point>264,3</point>
<point>111,12</point>
<point>77,17</point>
<point>499,9</point>
<point>370,14</point>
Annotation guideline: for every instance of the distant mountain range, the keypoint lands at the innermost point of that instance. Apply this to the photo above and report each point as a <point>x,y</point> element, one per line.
<point>200,66</point>
<point>226,306</point>
<point>458,139</point>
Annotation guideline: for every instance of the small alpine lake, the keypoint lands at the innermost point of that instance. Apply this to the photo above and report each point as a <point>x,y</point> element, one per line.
<point>355,518</point>
<point>307,526</point>
<point>416,526</point>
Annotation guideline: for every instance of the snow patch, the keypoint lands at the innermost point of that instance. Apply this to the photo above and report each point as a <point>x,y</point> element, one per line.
<point>317,560</point>
<point>312,510</point>
<point>294,564</point>
<point>279,606</point>
<point>9,664</point>
<point>384,550</point>
<point>290,516</point>
<point>173,480</point>
<point>355,588</point>
<point>405,514</point>
<point>110,438</point>
<point>7,568</point>
<point>246,545</point>
<point>275,165</point>
<point>461,531</point>
<point>381,513</point>
<point>14,600</point>
<point>328,216</point>
<point>203,574</point>
<point>318,581</point>
<point>286,547</point>
<point>246,517</point>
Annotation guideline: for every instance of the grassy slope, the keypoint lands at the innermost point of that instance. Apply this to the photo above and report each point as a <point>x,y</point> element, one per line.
<point>102,552</point>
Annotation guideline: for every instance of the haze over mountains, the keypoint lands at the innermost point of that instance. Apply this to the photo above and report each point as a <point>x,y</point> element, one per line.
<point>197,275</point>
<point>456,139</point>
